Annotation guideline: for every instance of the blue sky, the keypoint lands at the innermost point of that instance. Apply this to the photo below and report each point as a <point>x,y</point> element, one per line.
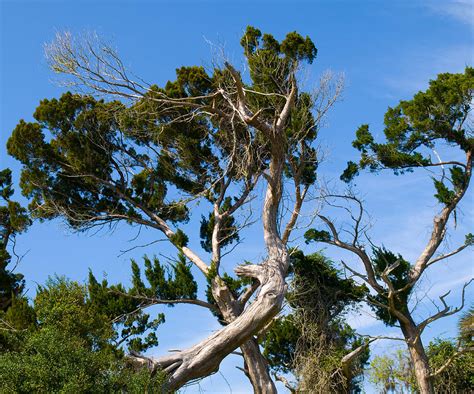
<point>387,52</point>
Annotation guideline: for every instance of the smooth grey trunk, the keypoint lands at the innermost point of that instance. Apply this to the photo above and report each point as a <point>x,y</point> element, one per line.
<point>418,356</point>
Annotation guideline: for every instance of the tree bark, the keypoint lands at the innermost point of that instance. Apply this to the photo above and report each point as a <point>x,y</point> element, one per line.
<point>205,357</point>
<point>255,365</point>
<point>418,356</point>
<point>257,368</point>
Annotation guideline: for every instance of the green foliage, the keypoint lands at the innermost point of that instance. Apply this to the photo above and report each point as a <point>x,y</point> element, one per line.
<point>122,305</point>
<point>69,347</point>
<point>351,171</point>
<point>313,235</point>
<point>381,259</point>
<point>458,179</point>
<point>280,344</point>
<point>458,376</point>
<point>179,239</point>
<point>96,162</point>
<point>171,282</point>
<point>53,361</point>
<point>18,317</point>
<point>76,124</point>
<point>13,220</point>
<point>228,229</point>
<point>317,277</point>
<point>443,194</point>
<point>436,115</point>
<point>294,46</point>
<point>131,327</point>
<point>311,341</point>
<point>63,305</point>
<point>393,372</point>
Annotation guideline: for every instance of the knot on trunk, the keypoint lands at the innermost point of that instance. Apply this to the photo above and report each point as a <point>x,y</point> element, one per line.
<point>251,271</point>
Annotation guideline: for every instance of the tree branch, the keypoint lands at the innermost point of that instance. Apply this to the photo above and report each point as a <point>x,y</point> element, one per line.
<point>446,311</point>
<point>445,256</point>
<point>439,225</point>
<point>356,250</point>
<point>150,301</point>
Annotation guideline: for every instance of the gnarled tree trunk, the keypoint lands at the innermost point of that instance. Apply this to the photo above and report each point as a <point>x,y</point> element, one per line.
<point>255,365</point>
<point>205,357</point>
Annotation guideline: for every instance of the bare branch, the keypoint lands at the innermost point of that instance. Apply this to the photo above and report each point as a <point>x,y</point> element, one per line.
<point>439,225</point>
<point>356,250</point>
<point>450,360</point>
<point>445,256</point>
<point>446,311</point>
<point>150,301</point>
<point>285,382</point>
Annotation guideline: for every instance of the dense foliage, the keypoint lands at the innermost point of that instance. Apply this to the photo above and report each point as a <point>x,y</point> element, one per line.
<point>66,342</point>
<point>98,162</point>
<point>13,220</point>
<point>436,115</point>
<point>312,340</point>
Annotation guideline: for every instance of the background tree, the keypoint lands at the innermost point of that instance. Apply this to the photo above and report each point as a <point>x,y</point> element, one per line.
<point>314,341</point>
<point>393,373</point>
<point>451,366</point>
<point>208,137</point>
<point>13,220</point>
<point>75,342</point>
<point>450,360</point>
<point>437,120</point>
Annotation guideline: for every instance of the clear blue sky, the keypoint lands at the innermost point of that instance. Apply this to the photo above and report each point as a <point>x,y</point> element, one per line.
<point>387,51</point>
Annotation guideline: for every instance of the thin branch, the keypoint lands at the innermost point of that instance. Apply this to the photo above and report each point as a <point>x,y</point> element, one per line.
<point>449,361</point>
<point>356,250</point>
<point>156,301</point>
<point>445,256</point>
<point>446,311</point>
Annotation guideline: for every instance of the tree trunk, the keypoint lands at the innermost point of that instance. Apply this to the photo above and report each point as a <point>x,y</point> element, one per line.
<point>257,368</point>
<point>418,356</point>
<point>255,365</point>
<point>205,357</point>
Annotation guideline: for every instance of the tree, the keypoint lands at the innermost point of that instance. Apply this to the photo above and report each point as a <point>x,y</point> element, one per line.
<point>211,137</point>
<point>452,366</point>
<point>72,343</point>
<point>437,120</point>
<point>13,220</point>
<point>313,341</point>
<point>451,362</point>
<point>393,373</point>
